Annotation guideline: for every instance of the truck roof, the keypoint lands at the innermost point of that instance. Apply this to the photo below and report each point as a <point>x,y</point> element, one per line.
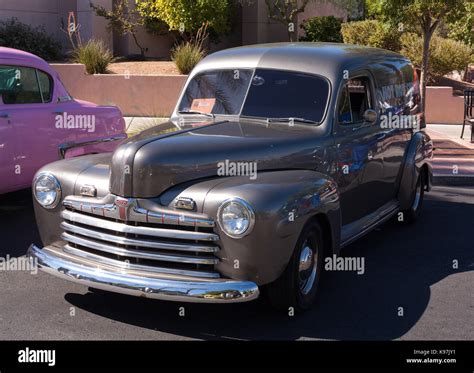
<point>319,58</point>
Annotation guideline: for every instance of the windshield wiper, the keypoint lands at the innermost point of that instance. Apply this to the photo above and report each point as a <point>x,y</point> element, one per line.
<point>290,120</point>
<point>196,112</point>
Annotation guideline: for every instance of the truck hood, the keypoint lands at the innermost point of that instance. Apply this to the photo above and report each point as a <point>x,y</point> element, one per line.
<point>148,164</point>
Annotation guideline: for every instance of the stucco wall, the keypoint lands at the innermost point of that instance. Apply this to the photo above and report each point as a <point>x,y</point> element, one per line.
<point>139,95</point>
<point>443,107</point>
<point>93,26</point>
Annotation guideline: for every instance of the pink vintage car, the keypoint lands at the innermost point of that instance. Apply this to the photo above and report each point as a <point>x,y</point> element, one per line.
<point>41,123</point>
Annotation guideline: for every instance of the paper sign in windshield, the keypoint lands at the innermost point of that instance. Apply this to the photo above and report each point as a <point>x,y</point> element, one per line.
<point>203,105</point>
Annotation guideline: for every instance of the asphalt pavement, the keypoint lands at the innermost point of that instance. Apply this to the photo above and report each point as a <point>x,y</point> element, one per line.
<point>409,290</point>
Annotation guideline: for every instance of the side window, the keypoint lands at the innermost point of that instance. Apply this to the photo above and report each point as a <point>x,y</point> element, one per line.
<point>9,83</point>
<point>355,98</point>
<point>46,86</point>
<point>21,85</point>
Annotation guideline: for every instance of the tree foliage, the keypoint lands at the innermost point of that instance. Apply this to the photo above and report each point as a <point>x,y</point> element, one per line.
<point>187,16</point>
<point>286,13</point>
<point>122,19</point>
<point>371,33</point>
<point>446,55</point>
<point>460,24</point>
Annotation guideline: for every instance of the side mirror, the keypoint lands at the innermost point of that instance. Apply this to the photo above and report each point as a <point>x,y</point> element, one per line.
<point>370,116</point>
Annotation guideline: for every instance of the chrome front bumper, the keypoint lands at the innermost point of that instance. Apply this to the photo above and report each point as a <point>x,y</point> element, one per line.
<point>205,291</point>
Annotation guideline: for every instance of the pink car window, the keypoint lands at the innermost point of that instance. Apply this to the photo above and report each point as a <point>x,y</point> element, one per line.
<point>46,86</point>
<point>20,85</point>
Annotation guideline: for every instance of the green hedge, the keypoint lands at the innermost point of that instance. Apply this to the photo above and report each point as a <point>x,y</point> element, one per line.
<point>323,29</point>
<point>14,34</point>
<point>371,33</point>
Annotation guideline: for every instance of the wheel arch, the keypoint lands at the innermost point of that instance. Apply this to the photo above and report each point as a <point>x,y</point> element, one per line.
<point>326,227</point>
<point>416,160</point>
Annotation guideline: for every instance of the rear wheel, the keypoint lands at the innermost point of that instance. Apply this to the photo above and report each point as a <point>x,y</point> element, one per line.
<point>298,285</point>
<point>411,214</point>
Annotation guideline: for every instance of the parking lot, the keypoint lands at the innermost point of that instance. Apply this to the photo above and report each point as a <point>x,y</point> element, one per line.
<point>409,290</point>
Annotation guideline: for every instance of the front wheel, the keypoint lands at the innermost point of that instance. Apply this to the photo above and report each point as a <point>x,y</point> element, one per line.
<point>298,285</point>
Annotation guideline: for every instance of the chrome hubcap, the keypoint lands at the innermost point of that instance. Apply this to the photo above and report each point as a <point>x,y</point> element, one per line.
<point>307,268</point>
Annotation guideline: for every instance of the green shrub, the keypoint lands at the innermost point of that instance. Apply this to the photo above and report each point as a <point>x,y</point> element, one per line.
<point>371,33</point>
<point>327,28</point>
<point>446,55</point>
<point>94,55</point>
<point>187,55</point>
<point>14,34</point>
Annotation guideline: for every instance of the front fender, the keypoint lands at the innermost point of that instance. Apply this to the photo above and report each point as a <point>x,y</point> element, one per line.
<point>71,174</point>
<point>283,202</point>
<point>418,154</point>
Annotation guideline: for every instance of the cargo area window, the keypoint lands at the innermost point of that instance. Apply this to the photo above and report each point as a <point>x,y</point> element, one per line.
<point>355,98</point>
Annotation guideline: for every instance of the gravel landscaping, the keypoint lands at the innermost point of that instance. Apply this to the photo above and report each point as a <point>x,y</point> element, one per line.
<point>144,68</point>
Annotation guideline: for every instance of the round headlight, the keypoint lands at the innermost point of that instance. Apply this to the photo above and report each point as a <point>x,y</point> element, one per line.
<point>236,217</point>
<point>47,190</point>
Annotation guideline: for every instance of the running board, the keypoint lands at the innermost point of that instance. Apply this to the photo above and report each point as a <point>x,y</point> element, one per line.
<point>353,231</point>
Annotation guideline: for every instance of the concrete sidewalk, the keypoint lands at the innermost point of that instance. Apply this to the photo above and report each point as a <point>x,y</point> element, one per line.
<point>453,161</point>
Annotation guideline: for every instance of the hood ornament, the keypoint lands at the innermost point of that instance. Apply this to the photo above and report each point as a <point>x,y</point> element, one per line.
<point>123,205</point>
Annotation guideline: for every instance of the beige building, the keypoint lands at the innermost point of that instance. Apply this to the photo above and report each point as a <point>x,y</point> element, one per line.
<point>253,25</point>
<point>53,15</point>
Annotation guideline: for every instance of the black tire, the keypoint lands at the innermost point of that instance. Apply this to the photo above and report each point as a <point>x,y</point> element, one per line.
<point>289,290</point>
<point>410,215</point>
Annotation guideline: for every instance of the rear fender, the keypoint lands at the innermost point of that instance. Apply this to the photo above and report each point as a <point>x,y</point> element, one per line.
<point>418,155</point>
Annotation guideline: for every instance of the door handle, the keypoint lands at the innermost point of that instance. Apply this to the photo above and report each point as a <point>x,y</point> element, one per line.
<point>4,115</point>
<point>370,155</point>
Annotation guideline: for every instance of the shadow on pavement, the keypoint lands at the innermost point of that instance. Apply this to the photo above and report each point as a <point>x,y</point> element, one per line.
<point>17,223</point>
<point>401,263</point>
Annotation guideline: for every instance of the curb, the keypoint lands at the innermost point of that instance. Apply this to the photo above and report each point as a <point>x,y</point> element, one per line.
<point>453,180</point>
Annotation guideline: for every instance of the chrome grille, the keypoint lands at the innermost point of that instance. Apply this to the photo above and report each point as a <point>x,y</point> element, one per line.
<point>123,233</point>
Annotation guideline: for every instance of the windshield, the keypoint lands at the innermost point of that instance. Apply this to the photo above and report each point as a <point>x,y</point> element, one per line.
<point>257,93</point>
